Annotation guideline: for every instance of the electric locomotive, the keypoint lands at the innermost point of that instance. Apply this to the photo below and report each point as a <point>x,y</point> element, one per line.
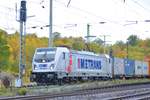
<point>54,65</point>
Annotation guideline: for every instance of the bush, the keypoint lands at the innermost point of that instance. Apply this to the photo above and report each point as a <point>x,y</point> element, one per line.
<point>6,82</point>
<point>6,79</point>
<point>22,91</point>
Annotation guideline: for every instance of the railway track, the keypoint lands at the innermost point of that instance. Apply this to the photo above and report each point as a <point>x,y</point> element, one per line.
<point>89,92</point>
<point>136,96</point>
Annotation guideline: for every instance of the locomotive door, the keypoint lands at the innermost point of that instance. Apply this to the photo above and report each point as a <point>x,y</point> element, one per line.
<point>63,61</point>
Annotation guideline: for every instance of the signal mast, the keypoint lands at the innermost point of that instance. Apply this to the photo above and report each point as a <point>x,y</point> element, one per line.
<point>22,21</point>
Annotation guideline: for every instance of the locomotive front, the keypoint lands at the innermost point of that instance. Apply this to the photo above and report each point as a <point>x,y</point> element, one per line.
<point>43,65</point>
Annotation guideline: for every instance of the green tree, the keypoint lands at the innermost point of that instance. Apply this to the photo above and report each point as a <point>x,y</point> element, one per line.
<point>64,42</point>
<point>133,40</point>
<point>56,35</point>
<point>78,44</point>
<point>98,41</point>
<point>4,50</point>
<point>13,42</point>
<point>121,44</point>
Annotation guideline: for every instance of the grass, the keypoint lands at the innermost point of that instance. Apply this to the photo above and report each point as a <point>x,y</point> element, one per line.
<point>12,91</point>
<point>85,85</point>
<point>6,92</point>
<point>65,88</point>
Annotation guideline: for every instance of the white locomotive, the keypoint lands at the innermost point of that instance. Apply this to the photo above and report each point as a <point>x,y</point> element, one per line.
<point>56,64</point>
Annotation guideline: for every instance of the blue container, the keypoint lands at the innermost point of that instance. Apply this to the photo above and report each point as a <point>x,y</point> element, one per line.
<point>129,67</point>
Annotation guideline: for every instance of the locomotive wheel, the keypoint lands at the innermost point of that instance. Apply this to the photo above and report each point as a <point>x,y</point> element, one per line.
<point>60,81</point>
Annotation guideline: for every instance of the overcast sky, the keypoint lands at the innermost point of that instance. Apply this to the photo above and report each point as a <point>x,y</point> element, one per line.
<point>120,17</point>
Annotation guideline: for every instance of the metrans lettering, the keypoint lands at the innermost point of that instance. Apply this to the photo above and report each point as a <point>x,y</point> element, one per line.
<point>89,64</point>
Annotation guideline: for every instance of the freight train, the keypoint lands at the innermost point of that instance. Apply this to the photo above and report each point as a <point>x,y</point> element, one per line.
<point>55,65</point>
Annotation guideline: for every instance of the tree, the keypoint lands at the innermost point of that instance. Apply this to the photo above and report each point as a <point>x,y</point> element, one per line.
<point>64,42</point>
<point>133,40</point>
<point>56,35</point>
<point>4,50</point>
<point>121,44</point>
<point>78,44</point>
<point>13,42</point>
<point>98,41</point>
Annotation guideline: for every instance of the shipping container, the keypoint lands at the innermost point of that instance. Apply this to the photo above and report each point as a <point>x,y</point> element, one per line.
<point>87,64</point>
<point>129,67</point>
<point>149,68</point>
<point>147,59</point>
<point>145,69</point>
<point>138,68</point>
<point>118,67</point>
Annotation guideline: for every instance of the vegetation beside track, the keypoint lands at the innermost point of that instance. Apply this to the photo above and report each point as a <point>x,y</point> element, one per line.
<point>80,86</point>
<point>65,88</point>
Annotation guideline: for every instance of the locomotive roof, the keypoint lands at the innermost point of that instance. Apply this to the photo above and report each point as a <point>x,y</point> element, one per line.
<point>79,52</point>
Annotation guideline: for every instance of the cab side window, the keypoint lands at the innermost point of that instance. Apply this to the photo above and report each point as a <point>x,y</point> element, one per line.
<point>109,60</point>
<point>63,55</point>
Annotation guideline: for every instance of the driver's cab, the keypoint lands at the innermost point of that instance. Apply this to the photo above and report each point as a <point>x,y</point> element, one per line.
<point>44,59</point>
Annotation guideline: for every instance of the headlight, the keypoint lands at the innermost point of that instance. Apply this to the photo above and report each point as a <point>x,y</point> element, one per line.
<point>52,66</point>
<point>35,67</point>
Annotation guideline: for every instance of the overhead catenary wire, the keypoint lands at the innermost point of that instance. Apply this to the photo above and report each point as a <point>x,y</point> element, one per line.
<point>34,19</point>
<point>129,7</point>
<point>114,22</point>
<point>68,3</point>
<point>82,10</point>
<point>136,2</point>
<point>42,1</point>
<point>32,1</point>
<point>129,23</point>
<point>89,13</point>
<point>76,8</point>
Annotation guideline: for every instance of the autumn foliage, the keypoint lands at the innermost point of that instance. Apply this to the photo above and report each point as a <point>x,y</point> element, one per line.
<point>9,48</point>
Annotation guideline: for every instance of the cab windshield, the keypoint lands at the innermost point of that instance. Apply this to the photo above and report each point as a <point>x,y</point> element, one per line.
<point>44,55</point>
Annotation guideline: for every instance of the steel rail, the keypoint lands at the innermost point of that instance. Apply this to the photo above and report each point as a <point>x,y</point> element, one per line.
<point>103,87</point>
<point>79,92</point>
<point>131,96</point>
<point>144,98</point>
